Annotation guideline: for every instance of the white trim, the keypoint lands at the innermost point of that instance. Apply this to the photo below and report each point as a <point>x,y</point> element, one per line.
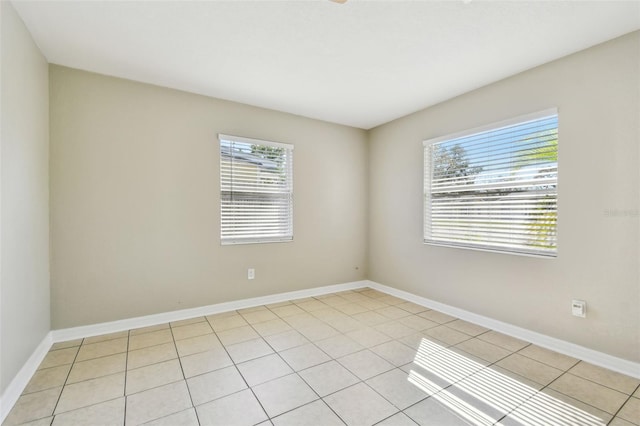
<point>230,138</point>
<point>601,359</point>
<point>494,126</point>
<point>489,250</point>
<point>482,138</point>
<point>20,381</point>
<point>131,323</point>
<point>253,240</point>
<point>16,387</point>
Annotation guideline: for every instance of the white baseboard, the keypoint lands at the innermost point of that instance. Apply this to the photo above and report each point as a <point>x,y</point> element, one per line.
<point>601,359</point>
<point>21,380</point>
<point>145,321</point>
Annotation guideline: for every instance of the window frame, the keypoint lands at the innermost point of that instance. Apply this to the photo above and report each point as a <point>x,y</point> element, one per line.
<point>522,250</point>
<point>288,194</point>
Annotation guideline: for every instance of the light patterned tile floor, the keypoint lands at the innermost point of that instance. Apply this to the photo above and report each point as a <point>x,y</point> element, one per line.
<point>357,357</point>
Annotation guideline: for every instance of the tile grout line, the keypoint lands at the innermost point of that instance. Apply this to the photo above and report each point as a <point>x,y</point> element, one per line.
<point>472,374</point>
<point>283,360</point>
<point>583,402</point>
<point>545,363</point>
<point>155,362</point>
<point>363,381</point>
<point>238,370</point>
<point>336,360</point>
<point>324,321</point>
<point>400,412</point>
<point>276,352</point>
<point>320,398</point>
<point>126,374</point>
<point>184,377</point>
<point>623,404</point>
<point>296,372</point>
<point>160,362</point>
<point>85,380</point>
<point>513,372</point>
<point>94,358</point>
<point>65,380</point>
<point>332,359</point>
<point>597,383</point>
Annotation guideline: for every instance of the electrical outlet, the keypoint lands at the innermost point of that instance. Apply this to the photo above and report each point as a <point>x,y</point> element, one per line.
<point>251,273</point>
<point>579,308</point>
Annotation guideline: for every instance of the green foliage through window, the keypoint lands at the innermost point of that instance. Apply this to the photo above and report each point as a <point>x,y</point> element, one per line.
<point>495,188</point>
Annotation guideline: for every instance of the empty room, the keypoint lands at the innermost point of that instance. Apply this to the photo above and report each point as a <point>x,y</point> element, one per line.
<point>322,212</point>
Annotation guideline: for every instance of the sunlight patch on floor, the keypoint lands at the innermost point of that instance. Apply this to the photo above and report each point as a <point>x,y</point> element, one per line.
<point>501,393</point>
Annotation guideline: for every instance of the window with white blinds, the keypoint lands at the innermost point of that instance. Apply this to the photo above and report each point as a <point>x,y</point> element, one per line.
<point>256,191</point>
<point>495,188</point>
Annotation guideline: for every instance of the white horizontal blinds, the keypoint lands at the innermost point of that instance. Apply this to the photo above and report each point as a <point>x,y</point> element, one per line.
<point>256,186</point>
<point>495,189</point>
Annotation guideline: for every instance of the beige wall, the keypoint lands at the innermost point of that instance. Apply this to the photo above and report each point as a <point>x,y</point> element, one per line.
<point>597,93</point>
<point>135,201</point>
<point>135,213</point>
<point>24,195</point>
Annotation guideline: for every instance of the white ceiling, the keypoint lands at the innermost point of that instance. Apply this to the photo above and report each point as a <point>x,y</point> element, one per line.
<point>362,63</point>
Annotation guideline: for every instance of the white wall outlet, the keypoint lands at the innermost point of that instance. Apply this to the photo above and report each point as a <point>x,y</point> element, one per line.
<point>579,308</point>
<point>251,273</point>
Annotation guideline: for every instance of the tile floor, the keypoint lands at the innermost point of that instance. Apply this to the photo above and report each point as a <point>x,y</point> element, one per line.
<point>357,357</point>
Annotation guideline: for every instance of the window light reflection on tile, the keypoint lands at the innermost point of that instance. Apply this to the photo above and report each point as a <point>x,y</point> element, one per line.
<point>544,409</point>
<point>498,390</point>
<point>452,402</point>
<point>446,363</point>
<point>492,388</point>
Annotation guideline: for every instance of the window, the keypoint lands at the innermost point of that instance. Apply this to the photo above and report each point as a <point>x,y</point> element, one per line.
<point>256,191</point>
<point>495,188</point>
